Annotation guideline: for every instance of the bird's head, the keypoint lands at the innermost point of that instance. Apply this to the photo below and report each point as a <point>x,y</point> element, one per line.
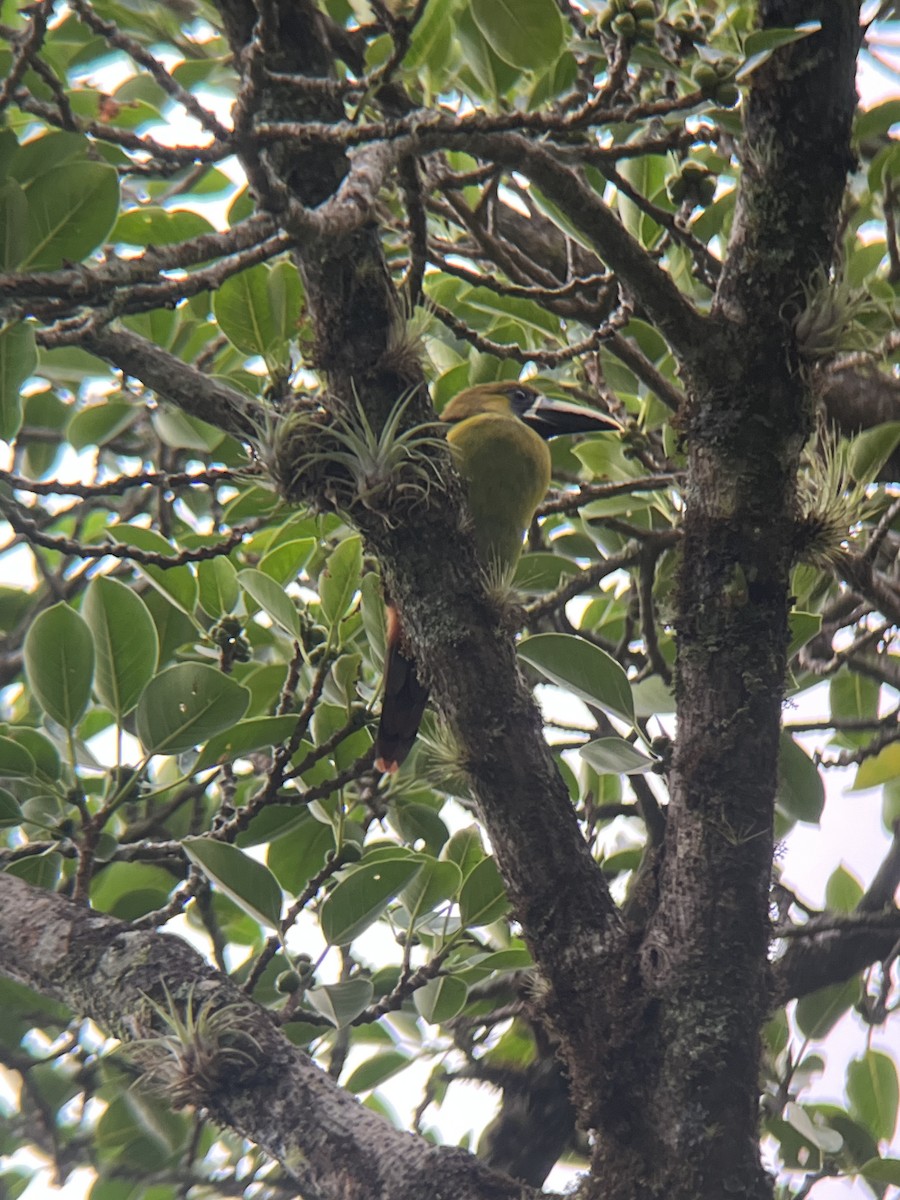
<point>509,398</point>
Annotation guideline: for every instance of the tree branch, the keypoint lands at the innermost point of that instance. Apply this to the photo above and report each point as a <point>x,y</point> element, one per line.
<point>331,1145</point>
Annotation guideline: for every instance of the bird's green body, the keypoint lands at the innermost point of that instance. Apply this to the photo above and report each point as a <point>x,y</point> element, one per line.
<point>506,467</point>
<point>497,434</point>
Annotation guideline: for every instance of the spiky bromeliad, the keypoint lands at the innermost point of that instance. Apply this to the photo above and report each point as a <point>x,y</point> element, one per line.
<point>498,435</point>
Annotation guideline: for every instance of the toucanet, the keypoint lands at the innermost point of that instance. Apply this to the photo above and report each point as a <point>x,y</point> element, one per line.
<point>498,434</point>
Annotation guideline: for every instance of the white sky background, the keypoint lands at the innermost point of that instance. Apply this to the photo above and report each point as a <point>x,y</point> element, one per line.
<point>851,833</point>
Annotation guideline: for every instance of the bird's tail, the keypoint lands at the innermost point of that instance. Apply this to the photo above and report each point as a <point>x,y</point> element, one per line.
<point>403,704</point>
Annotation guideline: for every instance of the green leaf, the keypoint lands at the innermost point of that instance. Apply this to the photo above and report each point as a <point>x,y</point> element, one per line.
<point>250,884</point>
<point>583,668</point>
<point>245,736</point>
<point>125,641</point>
<point>871,450</point>
<point>47,763</point>
<point>801,792</point>
<point>524,33</point>
<point>434,884</point>
<point>762,43</point>
<point>883,768</point>
<point>285,293</point>
<point>218,584</point>
<point>243,311</point>
<point>882,1170</point>
<point>465,848</point>
<point>341,1002</point>
<point>615,755</point>
<point>100,423</point>
<point>10,812</point>
<point>843,891</point>
<point>440,999</point>
<point>13,223</point>
<point>482,898</point>
<point>819,1012</point>
<point>283,563</point>
<point>362,896</point>
<point>59,663</point>
<point>874,1093</point>
<point>186,704</point>
<point>802,627</point>
<point>129,890</point>
<point>377,1070</point>
<point>71,210</point>
<point>183,432</point>
<point>177,583</point>
<point>15,761</point>
<point>152,225</point>
<point>339,582</point>
<point>271,599</point>
<point>852,696</point>
<point>18,358</point>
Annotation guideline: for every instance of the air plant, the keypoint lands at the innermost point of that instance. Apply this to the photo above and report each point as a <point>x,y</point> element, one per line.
<point>205,1048</point>
<point>341,457</point>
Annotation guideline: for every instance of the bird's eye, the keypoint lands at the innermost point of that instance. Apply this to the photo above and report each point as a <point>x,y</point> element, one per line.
<point>521,399</point>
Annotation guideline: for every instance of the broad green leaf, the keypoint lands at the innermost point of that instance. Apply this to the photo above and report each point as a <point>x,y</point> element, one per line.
<point>801,792</point>
<point>871,450</point>
<point>152,225</point>
<point>245,736</point>
<point>128,890</point>
<point>540,573</point>
<point>295,857</point>
<point>882,1170</point>
<point>125,642</point>
<point>802,626</point>
<point>271,599</point>
<point>243,310</point>
<point>250,884</point>
<point>440,999</point>
<point>614,754</point>
<point>762,43</point>
<point>10,812</point>
<point>465,848</point>
<point>15,761</point>
<point>284,562</point>
<point>853,696</point>
<point>18,358</point>
<point>186,704</point>
<point>843,891</point>
<point>181,431</point>
<point>59,663</point>
<point>100,423</point>
<point>377,1070</point>
<point>177,583</point>
<point>820,1011</point>
<point>339,582</point>
<point>71,209</point>
<point>285,293</point>
<point>341,1002</point>
<point>874,1093</point>
<point>524,33</point>
<point>482,898</point>
<point>434,884</point>
<point>13,224</point>
<point>583,668</point>
<point>883,768</point>
<point>218,585</point>
<point>829,1141</point>
<point>47,763</point>
<point>362,896</point>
